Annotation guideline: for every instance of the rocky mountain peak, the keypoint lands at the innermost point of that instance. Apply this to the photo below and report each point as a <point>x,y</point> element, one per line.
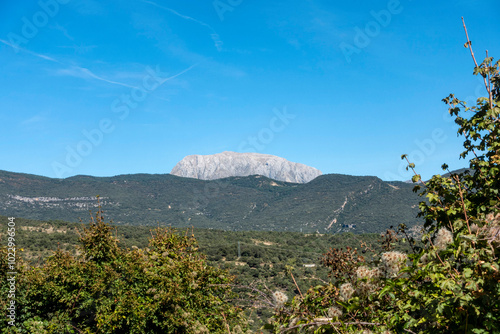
<point>227,164</point>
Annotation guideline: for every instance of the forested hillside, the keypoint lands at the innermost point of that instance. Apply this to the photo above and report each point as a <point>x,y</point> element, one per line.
<point>258,259</point>
<point>329,204</point>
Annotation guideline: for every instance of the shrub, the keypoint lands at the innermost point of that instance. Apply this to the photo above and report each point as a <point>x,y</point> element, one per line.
<point>165,288</point>
<point>449,285</point>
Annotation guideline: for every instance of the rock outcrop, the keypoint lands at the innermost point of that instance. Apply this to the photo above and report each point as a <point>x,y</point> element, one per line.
<point>227,164</point>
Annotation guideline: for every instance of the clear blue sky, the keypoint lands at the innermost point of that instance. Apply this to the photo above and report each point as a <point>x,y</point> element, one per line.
<point>117,87</point>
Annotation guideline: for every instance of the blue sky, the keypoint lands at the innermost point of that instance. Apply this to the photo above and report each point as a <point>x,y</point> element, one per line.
<point>118,87</point>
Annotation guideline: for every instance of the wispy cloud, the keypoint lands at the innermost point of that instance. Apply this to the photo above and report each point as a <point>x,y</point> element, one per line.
<point>39,55</point>
<point>90,7</point>
<point>214,35</point>
<point>63,30</point>
<point>206,63</point>
<point>70,70</point>
<point>38,122</point>
<point>85,73</point>
<point>179,14</point>
<point>178,74</point>
<point>79,49</point>
<point>33,120</point>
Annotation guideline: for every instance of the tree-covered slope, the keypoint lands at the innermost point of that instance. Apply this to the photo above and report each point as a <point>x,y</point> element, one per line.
<point>330,203</point>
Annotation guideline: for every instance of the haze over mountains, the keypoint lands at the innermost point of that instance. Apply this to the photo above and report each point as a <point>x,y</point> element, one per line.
<point>228,164</point>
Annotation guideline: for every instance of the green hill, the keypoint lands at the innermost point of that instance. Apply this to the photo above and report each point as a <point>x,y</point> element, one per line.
<point>331,203</point>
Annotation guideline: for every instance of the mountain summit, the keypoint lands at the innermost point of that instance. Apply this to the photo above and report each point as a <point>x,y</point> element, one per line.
<point>227,164</point>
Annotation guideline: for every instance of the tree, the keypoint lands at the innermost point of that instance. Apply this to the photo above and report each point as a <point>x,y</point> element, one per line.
<point>165,288</point>
<point>453,285</point>
<point>450,283</point>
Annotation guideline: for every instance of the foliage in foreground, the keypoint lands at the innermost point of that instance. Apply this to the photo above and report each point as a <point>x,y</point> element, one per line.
<point>165,288</point>
<point>263,265</point>
<point>449,285</point>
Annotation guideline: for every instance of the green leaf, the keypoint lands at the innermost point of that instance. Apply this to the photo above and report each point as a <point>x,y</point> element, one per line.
<point>385,290</point>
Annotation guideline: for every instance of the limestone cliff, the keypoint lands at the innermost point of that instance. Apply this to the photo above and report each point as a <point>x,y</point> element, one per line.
<point>226,164</point>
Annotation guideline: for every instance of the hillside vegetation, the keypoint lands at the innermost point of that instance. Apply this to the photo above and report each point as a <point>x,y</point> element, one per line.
<point>329,204</point>
<point>264,261</point>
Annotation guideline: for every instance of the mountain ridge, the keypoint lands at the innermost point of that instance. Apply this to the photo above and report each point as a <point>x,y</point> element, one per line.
<point>330,203</point>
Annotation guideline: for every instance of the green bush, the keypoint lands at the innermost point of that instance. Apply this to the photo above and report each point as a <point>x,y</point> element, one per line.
<point>447,283</point>
<point>165,288</point>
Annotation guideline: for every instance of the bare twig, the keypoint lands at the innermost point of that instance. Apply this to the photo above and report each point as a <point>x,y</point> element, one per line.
<point>291,274</point>
<point>463,203</point>
<point>439,199</point>
<point>225,321</point>
<point>262,294</point>
<point>79,331</point>
<point>410,240</point>
<point>414,172</point>
<point>489,82</point>
<point>409,331</point>
<point>440,260</point>
<point>327,321</point>
<point>469,43</point>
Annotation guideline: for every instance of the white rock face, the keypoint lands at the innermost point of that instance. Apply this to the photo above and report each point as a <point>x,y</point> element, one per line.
<point>226,164</point>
